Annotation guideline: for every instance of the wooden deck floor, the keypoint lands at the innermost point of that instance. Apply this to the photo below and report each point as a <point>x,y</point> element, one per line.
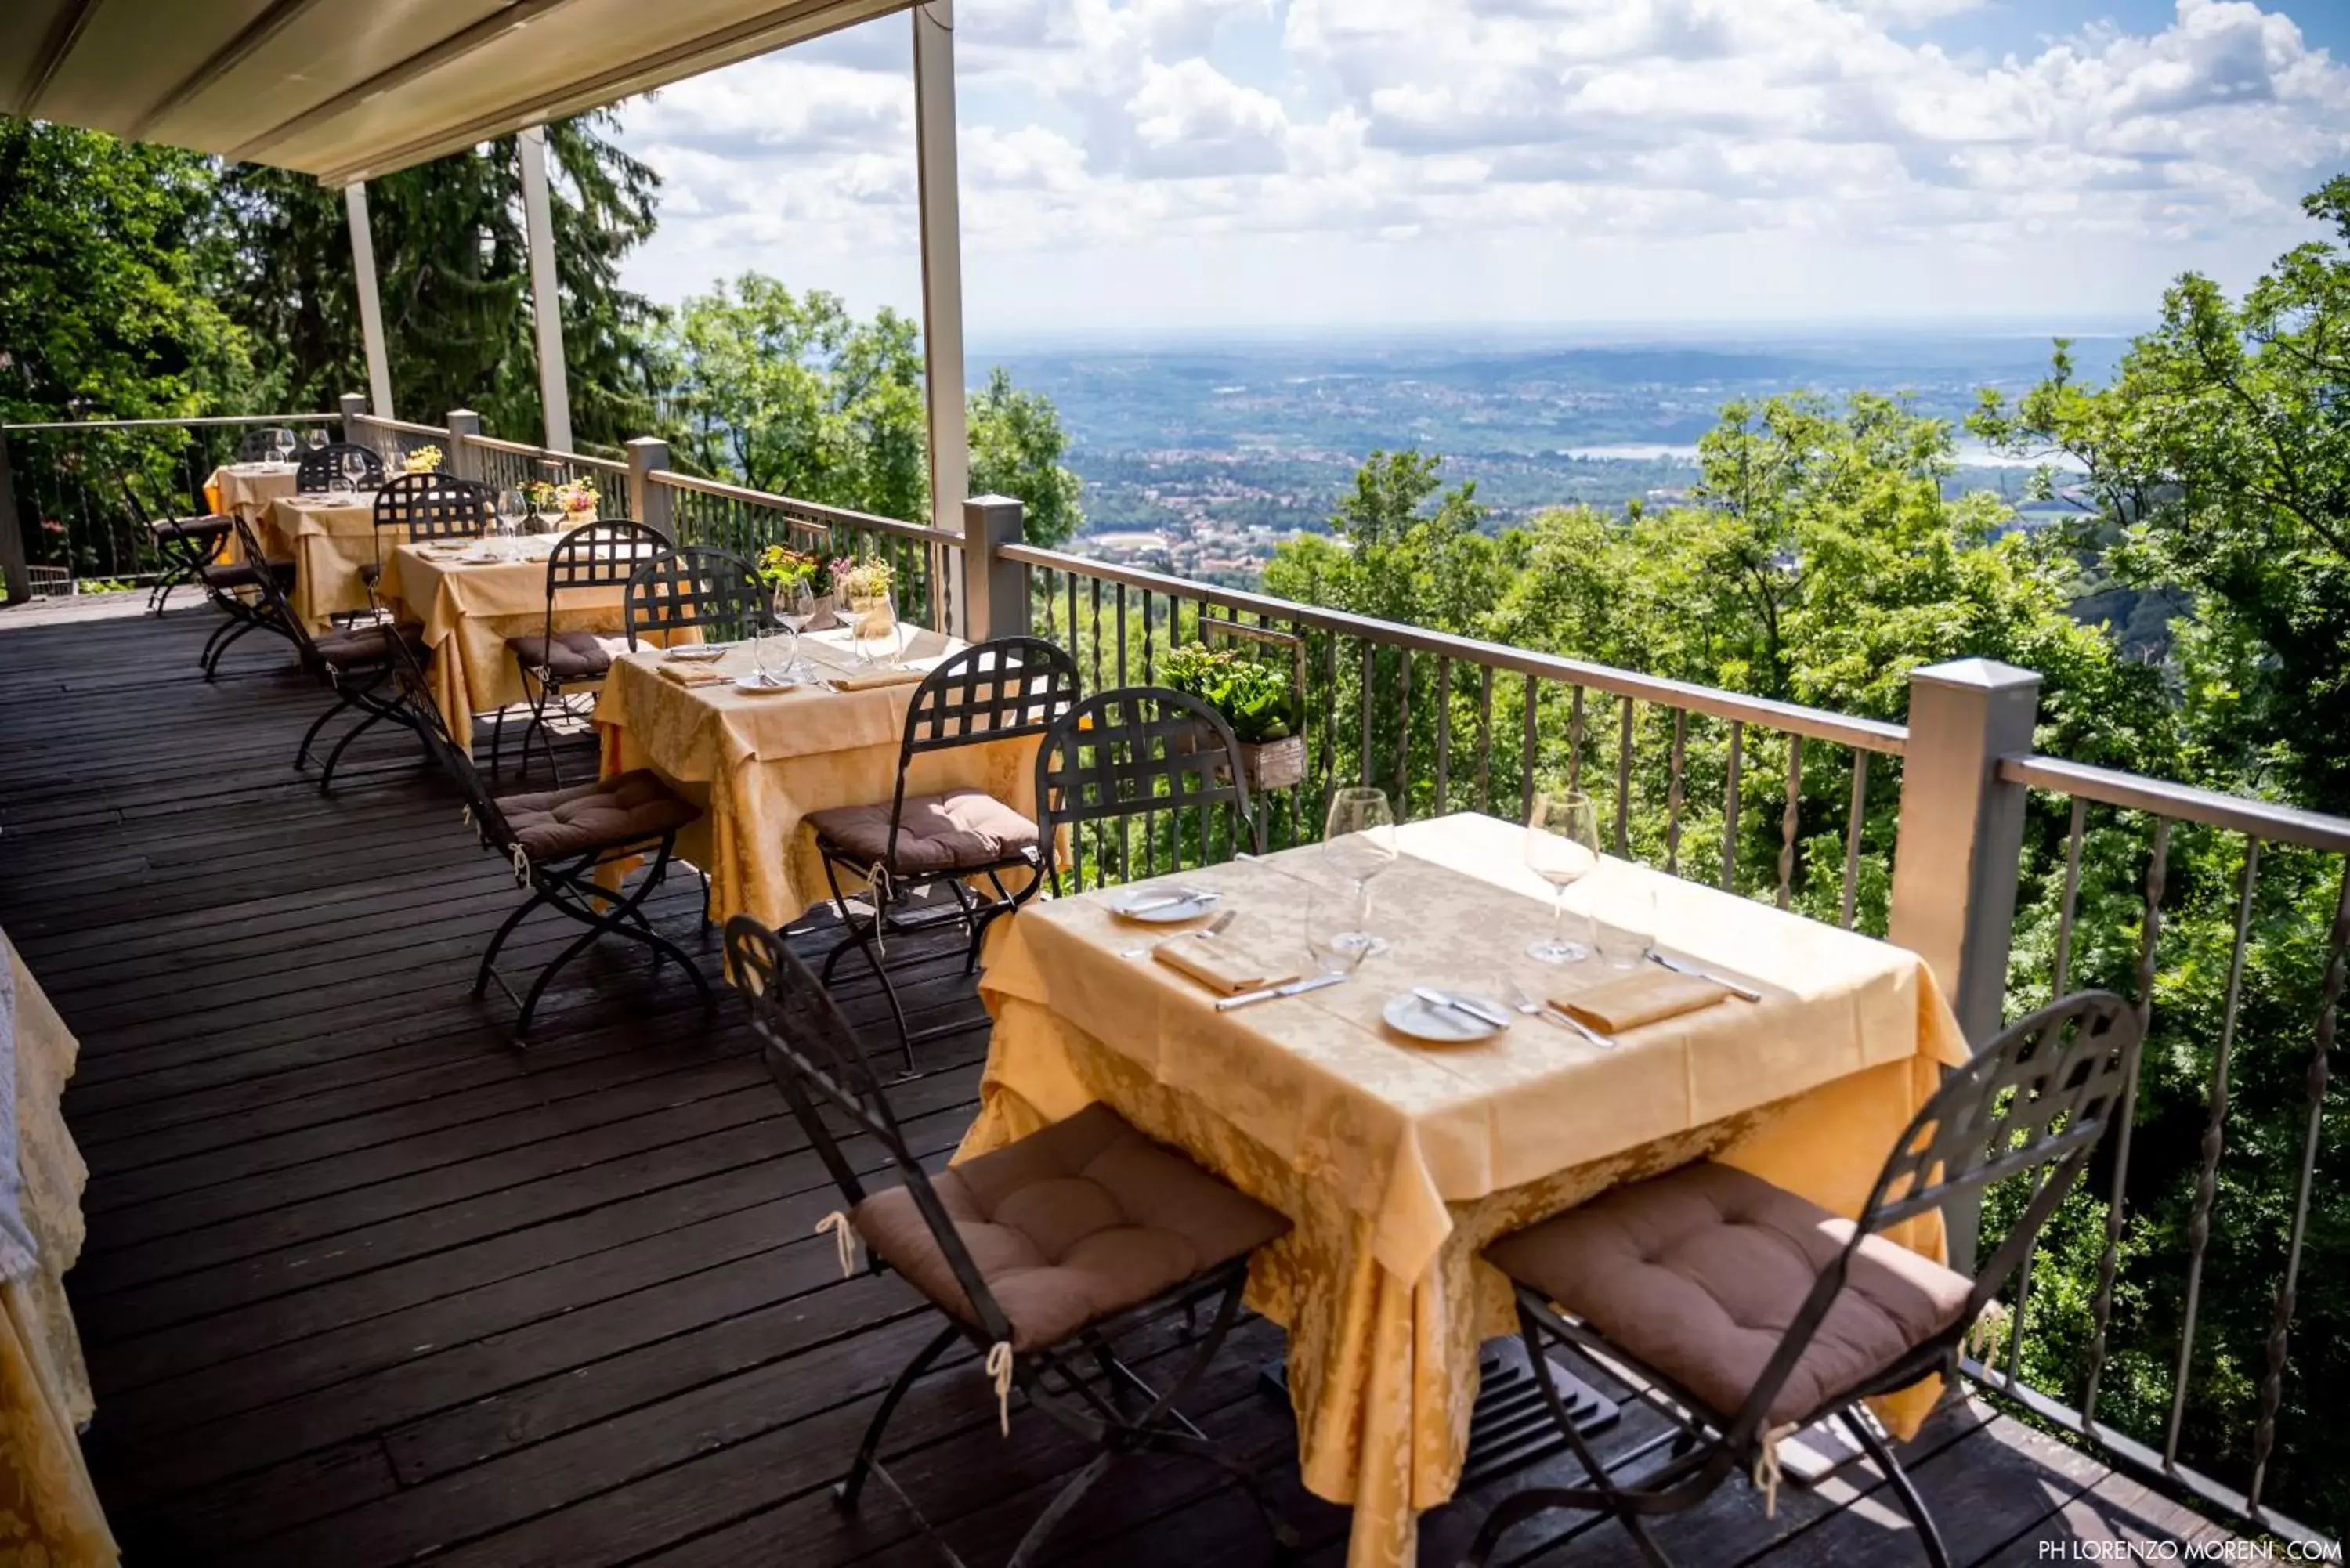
<point>363,1285</point>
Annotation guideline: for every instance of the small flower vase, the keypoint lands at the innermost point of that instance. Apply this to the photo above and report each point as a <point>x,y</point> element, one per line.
<point>873,626</point>
<point>573,516</point>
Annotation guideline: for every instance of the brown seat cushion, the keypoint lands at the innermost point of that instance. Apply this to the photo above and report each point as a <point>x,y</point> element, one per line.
<point>359,644</point>
<point>609,814</point>
<point>960,830</point>
<point>193,527</point>
<point>1699,1271</point>
<point>230,575</point>
<point>1068,1226</point>
<point>567,656</point>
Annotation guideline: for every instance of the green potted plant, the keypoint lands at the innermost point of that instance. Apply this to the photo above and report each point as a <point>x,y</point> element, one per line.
<point>1257,699</point>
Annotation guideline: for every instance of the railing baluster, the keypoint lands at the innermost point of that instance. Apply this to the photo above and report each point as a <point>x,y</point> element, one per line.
<point>1526,755</point>
<point>2314,1083</point>
<point>2072,896</point>
<point>2206,1177</point>
<point>1403,735</point>
<point>1673,792</point>
<point>1120,612</point>
<point>1485,738</point>
<point>1151,636</point>
<point>2158,867</point>
<point>1370,684</point>
<point>1574,741</point>
<point>1444,733</point>
<point>1623,776</point>
<point>1852,831</point>
<point>1094,585</point>
<point>1729,807</point>
<point>1790,819</point>
<point>1330,722</point>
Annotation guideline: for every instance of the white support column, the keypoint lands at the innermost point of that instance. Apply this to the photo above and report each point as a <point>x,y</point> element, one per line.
<point>934,152</point>
<point>546,291</point>
<point>378,362</point>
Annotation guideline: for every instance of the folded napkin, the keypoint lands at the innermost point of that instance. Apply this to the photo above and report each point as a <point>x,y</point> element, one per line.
<point>691,674</point>
<point>1649,996</point>
<point>866,680</point>
<point>1222,965</point>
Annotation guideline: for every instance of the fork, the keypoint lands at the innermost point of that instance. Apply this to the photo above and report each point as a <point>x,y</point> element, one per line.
<point>1216,927</point>
<point>1532,1009</point>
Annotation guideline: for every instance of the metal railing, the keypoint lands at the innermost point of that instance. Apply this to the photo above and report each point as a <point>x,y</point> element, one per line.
<point>711,512</point>
<point>66,516</point>
<point>393,440</point>
<point>511,465</point>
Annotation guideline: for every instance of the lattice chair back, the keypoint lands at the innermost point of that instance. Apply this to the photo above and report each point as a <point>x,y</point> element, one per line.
<point>481,809</point>
<point>433,506</point>
<point>2031,1103</point>
<point>816,1059</point>
<point>256,446</point>
<point>270,594</point>
<point>699,587</point>
<point>991,692</point>
<point>1150,753</point>
<point>321,467</point>
<point>604,554</point>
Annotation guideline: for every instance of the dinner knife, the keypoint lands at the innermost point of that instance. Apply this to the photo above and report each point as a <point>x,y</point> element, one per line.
<point>1731,986</point>
<point>1178,899</point>
<point>1295,988</point>
<point>1459,1004</point>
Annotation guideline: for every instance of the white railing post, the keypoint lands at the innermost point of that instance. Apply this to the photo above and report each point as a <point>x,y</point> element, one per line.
<point>463,462</point>
<point>1955,851</point>
<point>648,503</point>
<point>994,590</point>
<point>355,408</point>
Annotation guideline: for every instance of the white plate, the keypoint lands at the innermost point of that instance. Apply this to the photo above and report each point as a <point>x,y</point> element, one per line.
<point>756,681</point>
<point>1407,1015</point>
<point>696,653</point>
<point>1136,905</point>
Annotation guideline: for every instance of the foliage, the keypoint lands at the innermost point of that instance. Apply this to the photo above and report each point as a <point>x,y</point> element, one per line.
<point>453,265</point>
<point>1254,696</point>
<point>781,567</point>
<point>1017,445</point>
<point>861,577</point>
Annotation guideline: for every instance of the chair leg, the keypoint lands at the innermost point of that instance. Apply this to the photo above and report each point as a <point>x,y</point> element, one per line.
<point>326,777</point>
<point>1879,1449</point>
<point>310,736</point>
<point>498,744</point>
<point>846,1490</point>
<point>866,940</point>
<point>1032,1545</point>
<point>490,957</point>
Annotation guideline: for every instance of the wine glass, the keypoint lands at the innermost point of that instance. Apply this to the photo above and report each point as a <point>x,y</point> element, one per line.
<point>794,607</point>
<point>1333,929</point>
<point>512,507</point>
<point>1562,848</point>
<point>1358,837</point>
<point>317,438</point>
<point>771,651</point>
<point>282,444</point>
<point>355,469</point>
<point>876,633</point>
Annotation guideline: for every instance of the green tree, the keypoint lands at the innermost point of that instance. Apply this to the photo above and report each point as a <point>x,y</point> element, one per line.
<point>1016,447</point>
<point>453,262</point>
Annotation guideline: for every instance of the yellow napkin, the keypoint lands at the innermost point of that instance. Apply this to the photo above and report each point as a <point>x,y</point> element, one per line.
<point>1649,997</point>
<point>1222,965</point>
<point>691,674</point>
<point>864,680</point>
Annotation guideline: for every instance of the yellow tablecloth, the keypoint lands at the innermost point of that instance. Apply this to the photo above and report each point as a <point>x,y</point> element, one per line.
<point>468,613</point>
<point>329,538</point>
<point>246,489</point>
<point>50,1511</point>
<point>758,763</point>
<point>1399,1163</point>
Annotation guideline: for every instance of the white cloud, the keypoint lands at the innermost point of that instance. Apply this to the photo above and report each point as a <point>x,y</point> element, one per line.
<point>1325,125</point>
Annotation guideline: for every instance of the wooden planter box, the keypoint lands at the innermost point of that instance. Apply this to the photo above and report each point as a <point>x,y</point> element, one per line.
<point>1274,765</point>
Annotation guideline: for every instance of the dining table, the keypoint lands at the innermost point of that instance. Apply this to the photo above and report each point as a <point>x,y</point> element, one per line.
<point>329,535</point>
<point>759,761</point>
<point>248,490</point>
<point>1399,1160</point>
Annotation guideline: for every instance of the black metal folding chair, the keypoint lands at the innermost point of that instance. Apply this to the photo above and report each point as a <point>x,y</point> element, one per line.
<point>185,545</point>
<point>968,1239</point>
<point>993,691</point>
<point>557,842</point>
<point>425,506</point>
<point>605,554</point>
<point>321,468</point>
<point>356,663</point>
<point>236,588</point>
<point>698,588</point>
<point>1142,778</point>
<point>1660,1276</point>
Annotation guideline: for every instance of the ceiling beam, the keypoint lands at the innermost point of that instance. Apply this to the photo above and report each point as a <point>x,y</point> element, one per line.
<point>770,29</point>
<point>455,46</point>
<point>64,33</point>
<point>271,21</point>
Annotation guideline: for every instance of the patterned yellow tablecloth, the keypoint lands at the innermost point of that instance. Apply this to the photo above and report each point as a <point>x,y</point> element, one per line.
<point>758,763</point>
<point>49,1513</point>
<point>247,490</point>
<point>329,538</point>
<point>1397,1163</point>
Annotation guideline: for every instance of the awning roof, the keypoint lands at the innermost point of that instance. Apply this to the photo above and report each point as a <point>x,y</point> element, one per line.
<point>347,91</point>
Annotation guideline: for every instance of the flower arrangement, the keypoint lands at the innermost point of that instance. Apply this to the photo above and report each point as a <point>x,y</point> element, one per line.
<point>424,460</point>
<point>781,567</point>
<point>576,498</point>
<point>1253,698</point>
<point>861,577</point>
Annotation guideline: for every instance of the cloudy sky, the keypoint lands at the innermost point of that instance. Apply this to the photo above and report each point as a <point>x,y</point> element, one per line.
<point>1161,167</point>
